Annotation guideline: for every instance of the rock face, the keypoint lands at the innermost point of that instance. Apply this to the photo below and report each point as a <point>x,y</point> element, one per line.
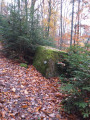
<point>46,59</point>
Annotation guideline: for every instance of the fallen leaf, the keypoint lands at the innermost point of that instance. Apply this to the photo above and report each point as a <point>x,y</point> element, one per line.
<point>29,109</point>
<point>12,119</point>
<point>16,96</point>
<point>24,106</point>
<point>58,116</point>
<point>26,92</point>
<point>52,115</point>
<point>4,71</point>
<point>13,89</point>
<point>11,114</point>
<point>6,109</point>
<point>58,94</point>
<point>3,114</point>
<point>38,108</point>
<point>1,105</point>
<point>22,86</point>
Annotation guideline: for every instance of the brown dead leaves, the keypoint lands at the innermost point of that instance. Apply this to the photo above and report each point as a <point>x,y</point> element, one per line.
<point>26,94</point>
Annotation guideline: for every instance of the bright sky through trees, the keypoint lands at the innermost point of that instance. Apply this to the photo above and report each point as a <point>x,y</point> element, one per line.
<point>86,21</point>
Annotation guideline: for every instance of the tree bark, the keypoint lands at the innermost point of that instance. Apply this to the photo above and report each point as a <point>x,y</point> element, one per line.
<point>19,7</point>
<point>26,14</point>
<point>72,23</point>
<point>78,21</point>
<point>49,11</point>
<point>61,41</point>
<point>32,13</point>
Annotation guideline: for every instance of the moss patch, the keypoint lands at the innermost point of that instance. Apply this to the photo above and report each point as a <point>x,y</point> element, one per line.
<point>23,65</point>
<point>45,60</point>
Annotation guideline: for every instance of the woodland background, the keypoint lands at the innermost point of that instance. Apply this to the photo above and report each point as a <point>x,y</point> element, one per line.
<point>26,24</point>
<point>66,21</point>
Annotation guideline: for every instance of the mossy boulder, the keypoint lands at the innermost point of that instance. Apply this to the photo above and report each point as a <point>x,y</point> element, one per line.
<point>45,60</point>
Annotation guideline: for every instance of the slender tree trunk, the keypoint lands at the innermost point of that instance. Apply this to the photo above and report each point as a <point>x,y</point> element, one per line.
<point>1,7</point>
<point>19,16</point>
<point>78,21</point>
<point>75,36</point>
<point>49,16</point>
<point>32,13</point>
<point>72,23</point>
<point>19,7</point>
<point>61,41</point>
<point>15,5</point>
<point>42,9</point>
<point>26,14</point>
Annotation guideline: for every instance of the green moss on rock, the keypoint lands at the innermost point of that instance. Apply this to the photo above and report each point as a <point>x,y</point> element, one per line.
<point>45,60</point>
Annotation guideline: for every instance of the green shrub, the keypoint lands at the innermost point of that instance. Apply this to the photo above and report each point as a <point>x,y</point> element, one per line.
<point>22,38</point>
<point>24,65</point>
<point>76,82</point>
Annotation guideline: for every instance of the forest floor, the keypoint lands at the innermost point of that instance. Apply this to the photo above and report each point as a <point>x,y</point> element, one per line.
<point>26,95</point>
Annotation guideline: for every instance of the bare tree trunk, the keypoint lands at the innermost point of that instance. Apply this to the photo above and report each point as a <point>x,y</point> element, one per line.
<point>72,23</point>
<point>49,11</point>
<point>61,41</point>
<point>32,13</point>
<point>14,6</point>
<point>19,7</point>
<point>1,7</point>
<point>26,14</point>
<point>75,35</point>
<point>19,16</point>
<point>78,21</point>
<point>42,7</point>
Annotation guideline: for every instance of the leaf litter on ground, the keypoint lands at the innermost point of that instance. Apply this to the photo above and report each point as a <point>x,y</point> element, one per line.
<point>26,94</point>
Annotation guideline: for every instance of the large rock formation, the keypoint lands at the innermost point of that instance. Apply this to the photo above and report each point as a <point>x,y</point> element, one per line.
<point>46,60</point>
